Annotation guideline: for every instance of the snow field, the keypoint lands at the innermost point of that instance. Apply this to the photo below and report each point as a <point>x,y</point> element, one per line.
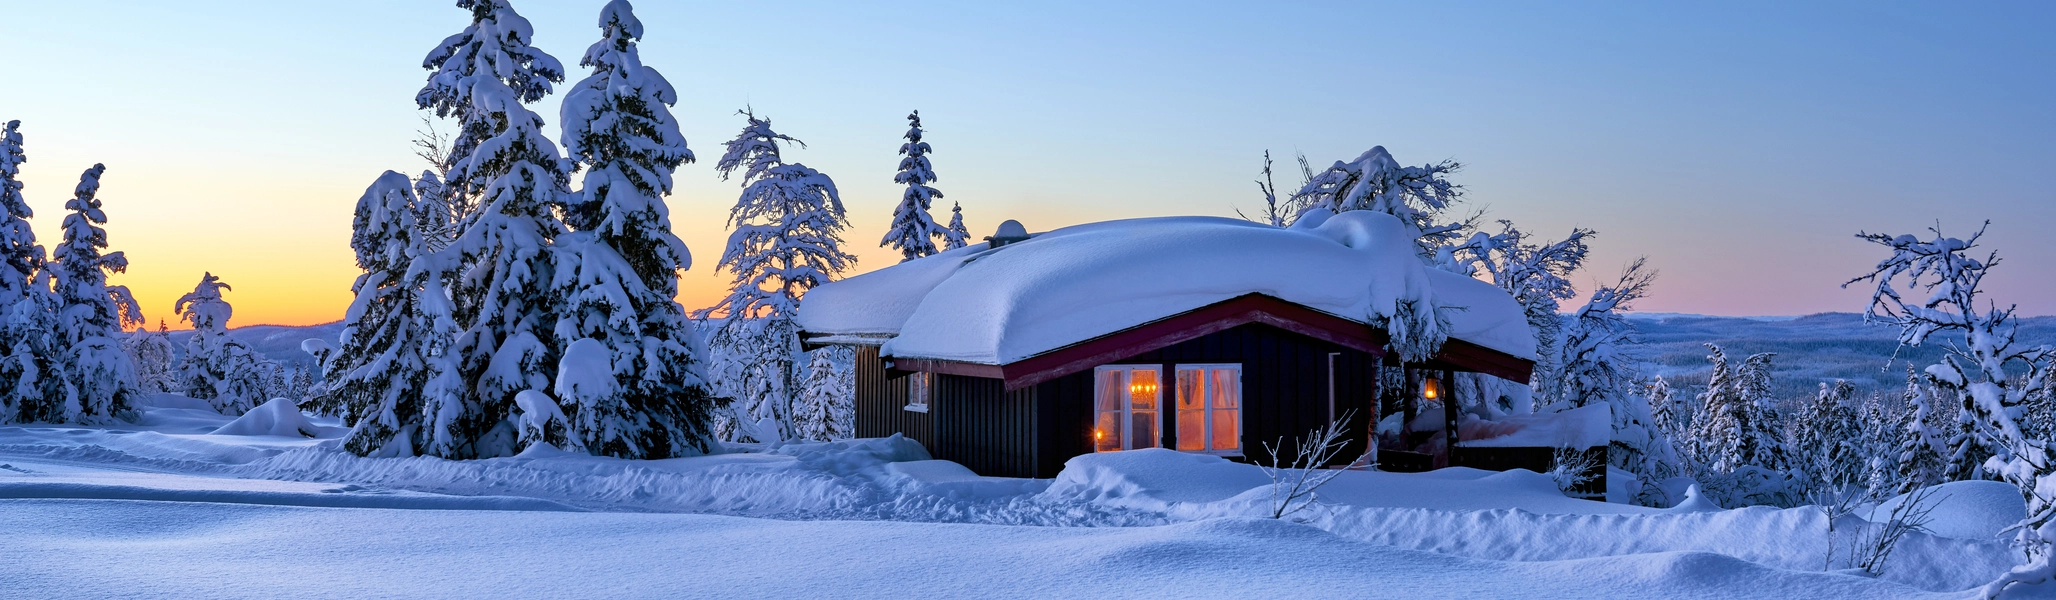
<point>236,509</point>
<point>124,548</point>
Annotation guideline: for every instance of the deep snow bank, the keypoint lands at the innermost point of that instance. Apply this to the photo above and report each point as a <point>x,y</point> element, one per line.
<point>277,417</point>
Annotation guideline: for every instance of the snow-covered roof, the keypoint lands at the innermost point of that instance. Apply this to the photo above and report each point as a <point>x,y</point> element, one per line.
<point>1000,305</point>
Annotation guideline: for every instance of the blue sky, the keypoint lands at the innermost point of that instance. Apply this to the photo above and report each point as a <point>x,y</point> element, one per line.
<point>1738,146</point>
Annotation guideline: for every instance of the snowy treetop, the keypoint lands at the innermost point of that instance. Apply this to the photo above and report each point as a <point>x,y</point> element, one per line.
<point>996,306</point>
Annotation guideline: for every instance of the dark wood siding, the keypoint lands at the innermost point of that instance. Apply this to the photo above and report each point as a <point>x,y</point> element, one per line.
<point>882,401</point>
<point>984,427</point>
<point>1031,432</point>
<point>1284,391</point>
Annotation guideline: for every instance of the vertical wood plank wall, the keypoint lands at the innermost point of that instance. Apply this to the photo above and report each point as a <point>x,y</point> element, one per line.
<point>983,427</point>
<point>881,403</point>
<point>1031,432</point>
<point>1284,392</point>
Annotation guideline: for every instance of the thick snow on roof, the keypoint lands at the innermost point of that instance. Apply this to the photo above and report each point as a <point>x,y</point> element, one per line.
<point>1000,305</point>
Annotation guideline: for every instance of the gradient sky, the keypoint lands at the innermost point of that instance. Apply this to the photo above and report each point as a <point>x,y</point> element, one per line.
<point>1737,146</point>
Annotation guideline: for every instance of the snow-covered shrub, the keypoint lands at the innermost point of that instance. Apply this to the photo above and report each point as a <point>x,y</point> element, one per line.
<point>156,359</point>
<point>826,407</point>
<point>1296,484</point>
<point>913,232</point>
<point>1978,377</point>
<point>1573,468</point>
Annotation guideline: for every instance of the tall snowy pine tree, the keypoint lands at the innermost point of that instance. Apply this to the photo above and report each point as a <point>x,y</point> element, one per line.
<point>505,179</point>
<point>913,231</point>
<point>94,313</point>
<point>786,241</point>
<point>32,386</point>
<point>617,275</point>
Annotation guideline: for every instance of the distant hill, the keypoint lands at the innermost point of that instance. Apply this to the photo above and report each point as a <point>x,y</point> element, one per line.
<point>1811,349</point>
<point>278,342</point>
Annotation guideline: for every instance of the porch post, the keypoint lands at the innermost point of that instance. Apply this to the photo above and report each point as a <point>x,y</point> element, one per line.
<point>1449,414</point>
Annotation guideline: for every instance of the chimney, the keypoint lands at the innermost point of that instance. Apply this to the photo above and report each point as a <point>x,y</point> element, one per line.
<point>1009,232</point>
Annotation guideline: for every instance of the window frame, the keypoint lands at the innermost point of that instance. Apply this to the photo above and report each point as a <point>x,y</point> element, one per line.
<point>1127,409</point>
<point>924,383</point>
<point>1207,407</point>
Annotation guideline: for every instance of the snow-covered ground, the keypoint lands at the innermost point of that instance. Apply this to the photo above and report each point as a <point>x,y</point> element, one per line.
<point>168,508</point>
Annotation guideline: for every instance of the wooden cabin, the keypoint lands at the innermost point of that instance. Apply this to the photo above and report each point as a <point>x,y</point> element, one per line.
<point>1196,334</point>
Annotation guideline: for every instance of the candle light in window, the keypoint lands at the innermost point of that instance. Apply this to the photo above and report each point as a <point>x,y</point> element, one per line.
<point>1098,435</point>
<point>1431,388</point>
<point>1143,388</point>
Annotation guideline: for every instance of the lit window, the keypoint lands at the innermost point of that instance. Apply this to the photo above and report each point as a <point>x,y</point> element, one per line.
<point>1125,408</point>
<point>917,391</point>
<point>1210,408</point>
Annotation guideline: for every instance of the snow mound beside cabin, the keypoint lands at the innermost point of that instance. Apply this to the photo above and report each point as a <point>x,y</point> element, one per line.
<point>1153,478</point>
<point>1969,510</point>
<point>276,417</point>
<point>1582,427</point>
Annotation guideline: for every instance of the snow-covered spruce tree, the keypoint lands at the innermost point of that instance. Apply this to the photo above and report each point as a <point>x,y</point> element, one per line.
<point>956,236</point>
<point>1537,276</point>
<point>786,240</point>
<point>1884,431</point>
<point>20,256</point>
<point>1597,369</point>
<point>913,232</point>
<point>1920,448</point>
<point>156,359</point>
<point>31,382</point>
<point>641,392</point>
<point>391,358</point>
<point>495,47</point>
<point>217,368</point>
<point>1374,181</point>
<point>1668,412</point>
<point>1979,375</point>
<point>826,407</point>
<point>1827,439</point>
<point>1739,455</point>
<point>94,313</point>
<point>506,185</point>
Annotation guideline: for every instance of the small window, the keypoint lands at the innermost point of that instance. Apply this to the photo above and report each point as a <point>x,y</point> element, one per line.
<point>1125,408</point>
<point>1210,408</point>
<point>917,391</point>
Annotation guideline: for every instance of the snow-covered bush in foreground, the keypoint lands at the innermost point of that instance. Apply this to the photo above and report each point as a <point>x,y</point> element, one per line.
<point>1977,375</point>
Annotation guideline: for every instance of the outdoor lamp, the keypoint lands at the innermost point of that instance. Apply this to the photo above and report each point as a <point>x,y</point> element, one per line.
<point>1431,388</point>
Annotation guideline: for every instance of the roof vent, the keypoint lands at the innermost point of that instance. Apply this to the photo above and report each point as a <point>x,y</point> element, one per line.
<point>1009,232</point>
